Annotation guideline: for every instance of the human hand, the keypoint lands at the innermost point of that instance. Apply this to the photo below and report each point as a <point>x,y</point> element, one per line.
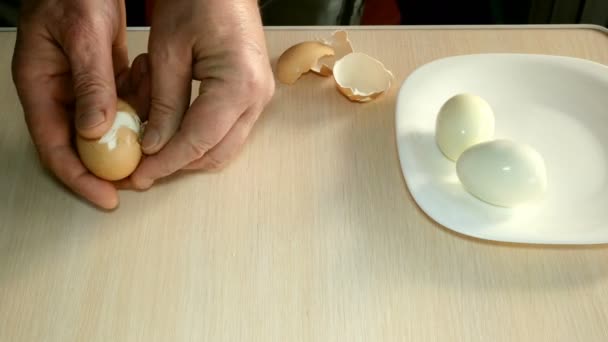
<point>71,56</point>
<point>222,44</point>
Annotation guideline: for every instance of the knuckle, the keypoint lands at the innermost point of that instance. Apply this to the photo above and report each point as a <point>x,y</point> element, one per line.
<point>198,147</point>
<point>162,168</point>
<point>257,71</point>
<point>71,177</point>
<point>81,31</point>
<point>158,53</point>
<point>76,30</point>
<point>44,159</point>
<point>213,163</point>
<point>16,73</point>
<point>271,88</point>
<point>169,54</point>
<point>21,74</point>
<point>256,80</point>
<point>89,82</point>
<point>162,108</point>
<point>253,79</point>
<point>16,63</point>
<point>140,182</point>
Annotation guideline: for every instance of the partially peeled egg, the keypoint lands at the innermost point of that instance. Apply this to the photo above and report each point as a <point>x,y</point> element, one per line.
<point>117,153</point>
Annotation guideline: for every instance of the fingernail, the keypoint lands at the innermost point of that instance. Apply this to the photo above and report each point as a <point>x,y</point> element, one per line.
<point>90,120</point>
<point>151,138</point>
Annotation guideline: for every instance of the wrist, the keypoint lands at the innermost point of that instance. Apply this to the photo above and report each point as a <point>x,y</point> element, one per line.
<point>233,21</point>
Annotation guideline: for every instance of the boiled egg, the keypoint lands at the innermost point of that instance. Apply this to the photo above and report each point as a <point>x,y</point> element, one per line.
<point>117,153</point>
<point>503,172</point>
<point>463,121</point>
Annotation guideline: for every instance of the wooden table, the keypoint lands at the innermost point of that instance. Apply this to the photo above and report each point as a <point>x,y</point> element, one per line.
<point>309,235</point>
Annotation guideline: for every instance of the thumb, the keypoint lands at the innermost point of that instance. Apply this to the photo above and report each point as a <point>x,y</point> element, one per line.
<point>90,58</point>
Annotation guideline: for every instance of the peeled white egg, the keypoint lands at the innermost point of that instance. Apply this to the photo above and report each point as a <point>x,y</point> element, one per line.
<point>463,121</point>
<point>503,173</point>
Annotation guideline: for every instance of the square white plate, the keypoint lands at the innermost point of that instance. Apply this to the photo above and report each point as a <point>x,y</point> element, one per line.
<point>558,105</point>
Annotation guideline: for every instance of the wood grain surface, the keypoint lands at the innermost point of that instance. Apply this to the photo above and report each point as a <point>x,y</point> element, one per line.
<point>310,234</point>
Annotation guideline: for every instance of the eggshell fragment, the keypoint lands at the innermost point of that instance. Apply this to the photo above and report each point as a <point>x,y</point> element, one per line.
<point>503,172</point>
<point>300,59</point>
<point>463,121</point>
<point>360,77</point>
<point>118,152</point>
<point>342,46</point>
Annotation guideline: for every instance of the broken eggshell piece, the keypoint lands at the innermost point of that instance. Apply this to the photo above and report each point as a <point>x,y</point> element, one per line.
<point>360,77</point>
<point>317,56</point>
<point>342,46</point>
<point>300,59</point>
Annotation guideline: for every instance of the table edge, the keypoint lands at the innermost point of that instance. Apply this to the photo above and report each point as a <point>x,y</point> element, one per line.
<point>443,27</point>
<point>406,27</point>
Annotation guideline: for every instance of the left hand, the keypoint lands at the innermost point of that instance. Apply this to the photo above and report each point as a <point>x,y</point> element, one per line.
<point>222,44</point>
<point>69,63</point>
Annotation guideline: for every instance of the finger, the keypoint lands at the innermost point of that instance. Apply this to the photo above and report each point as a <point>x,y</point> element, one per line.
<point>41,76</point>
<point>227,149</point>
<point>124,184</point>
<point>64,163</point>
<point>171,80</point>
<point>49,125</point>
<point>205,124</point>
<point>120,58</point>
<point>120,52</point>
<point>134,86</point>
<point>90,53</point>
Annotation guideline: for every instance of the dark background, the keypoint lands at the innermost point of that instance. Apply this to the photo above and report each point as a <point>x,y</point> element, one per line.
<point>394,12</point>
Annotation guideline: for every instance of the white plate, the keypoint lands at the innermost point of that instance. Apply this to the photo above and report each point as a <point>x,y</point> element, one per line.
<point>558,105</point>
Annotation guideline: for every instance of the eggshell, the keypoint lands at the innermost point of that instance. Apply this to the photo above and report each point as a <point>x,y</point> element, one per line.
<point>116,154</point>
<point>503,172</point>
<point>360,77</point>
<point>342,46</point>
<point>300,59</point>
<point>463,121</point>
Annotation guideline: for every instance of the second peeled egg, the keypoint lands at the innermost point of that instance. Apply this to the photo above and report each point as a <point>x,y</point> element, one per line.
<point>463,121</point>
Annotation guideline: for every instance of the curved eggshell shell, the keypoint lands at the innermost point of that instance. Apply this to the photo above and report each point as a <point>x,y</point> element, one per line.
<point>360,77</point>
<point>300,59</point>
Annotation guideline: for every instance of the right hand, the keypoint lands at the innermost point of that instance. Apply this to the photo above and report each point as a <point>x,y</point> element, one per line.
<point>68,57</point>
